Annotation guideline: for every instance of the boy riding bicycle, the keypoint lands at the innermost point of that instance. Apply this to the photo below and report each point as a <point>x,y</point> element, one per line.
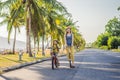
<point>54,54</point>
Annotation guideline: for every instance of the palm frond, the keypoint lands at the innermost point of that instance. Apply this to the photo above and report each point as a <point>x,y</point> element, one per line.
<point>4,22</point>
<point>6,4</point>
<point>9,27</point>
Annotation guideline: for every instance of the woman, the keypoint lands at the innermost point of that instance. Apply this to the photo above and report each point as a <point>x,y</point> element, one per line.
<point>69,46</point>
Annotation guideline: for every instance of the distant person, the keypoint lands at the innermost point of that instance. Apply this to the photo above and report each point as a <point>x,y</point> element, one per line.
<point>69,38</point>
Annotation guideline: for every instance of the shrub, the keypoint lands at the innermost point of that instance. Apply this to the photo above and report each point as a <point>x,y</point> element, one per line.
<point>113,42</point>
<point>104,47</point>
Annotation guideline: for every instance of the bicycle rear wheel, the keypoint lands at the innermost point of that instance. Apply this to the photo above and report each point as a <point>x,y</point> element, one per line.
<point>56,63</point>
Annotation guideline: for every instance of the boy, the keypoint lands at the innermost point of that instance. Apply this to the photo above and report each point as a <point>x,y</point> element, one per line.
<point>55,51</point>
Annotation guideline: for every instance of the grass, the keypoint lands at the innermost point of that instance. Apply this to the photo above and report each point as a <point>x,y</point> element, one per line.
<point>116,50</point>
<point>13,59</point>
<point>9,60</point>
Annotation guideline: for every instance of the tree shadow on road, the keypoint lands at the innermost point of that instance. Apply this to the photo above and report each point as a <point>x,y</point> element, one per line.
<point>8,78</point>
<point>62,73</point>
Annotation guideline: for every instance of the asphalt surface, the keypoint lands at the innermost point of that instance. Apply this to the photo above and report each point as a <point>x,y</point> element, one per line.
<point>91,64</point>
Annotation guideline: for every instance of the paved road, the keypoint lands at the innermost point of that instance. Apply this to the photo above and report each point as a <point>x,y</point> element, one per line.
<point>91,64</point>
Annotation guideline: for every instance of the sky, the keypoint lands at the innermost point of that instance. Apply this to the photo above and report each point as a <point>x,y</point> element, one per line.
<point>92,16</point>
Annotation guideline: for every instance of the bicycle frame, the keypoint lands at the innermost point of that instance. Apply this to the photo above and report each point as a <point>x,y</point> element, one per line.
<point>54,61</point>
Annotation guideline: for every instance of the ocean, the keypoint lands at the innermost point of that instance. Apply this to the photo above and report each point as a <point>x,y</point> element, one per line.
<point>5,45</point>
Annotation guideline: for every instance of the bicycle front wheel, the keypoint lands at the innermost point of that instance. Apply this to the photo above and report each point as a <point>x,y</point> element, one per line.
<point>52,63</point>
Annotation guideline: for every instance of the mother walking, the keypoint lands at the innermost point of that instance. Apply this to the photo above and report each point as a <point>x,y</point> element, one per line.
<point>69,38</point>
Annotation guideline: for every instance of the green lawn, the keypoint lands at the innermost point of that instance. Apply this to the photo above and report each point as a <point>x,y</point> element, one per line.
<point>116,50</point>
<point>11,60</point>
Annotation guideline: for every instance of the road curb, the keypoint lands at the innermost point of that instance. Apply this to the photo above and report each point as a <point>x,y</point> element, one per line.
<point>7,69</point>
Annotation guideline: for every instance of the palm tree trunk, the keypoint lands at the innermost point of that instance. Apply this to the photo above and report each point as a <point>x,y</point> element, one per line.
<point>28,26</point>
<point>27,34</point>
<point>38,43</point>
<point>29,30</point>
<point>14,41</point>
<point>28,39</point>
<point>43,45</point>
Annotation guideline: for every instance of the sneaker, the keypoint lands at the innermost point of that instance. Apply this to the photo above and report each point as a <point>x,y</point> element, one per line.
<point>72,66</point>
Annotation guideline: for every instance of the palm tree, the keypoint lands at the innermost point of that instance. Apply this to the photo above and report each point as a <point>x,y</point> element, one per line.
<point>40,16</point>
<point>18,21</point>
<point>42,12</point>
<point>16,26</point>
<point>51,7</point>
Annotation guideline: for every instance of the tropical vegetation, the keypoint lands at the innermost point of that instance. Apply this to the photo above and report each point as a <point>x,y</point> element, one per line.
<point>43,20</point>
<point>110,39</point>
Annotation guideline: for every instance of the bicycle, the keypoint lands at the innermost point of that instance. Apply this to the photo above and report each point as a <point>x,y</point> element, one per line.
<point>54,61</point>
